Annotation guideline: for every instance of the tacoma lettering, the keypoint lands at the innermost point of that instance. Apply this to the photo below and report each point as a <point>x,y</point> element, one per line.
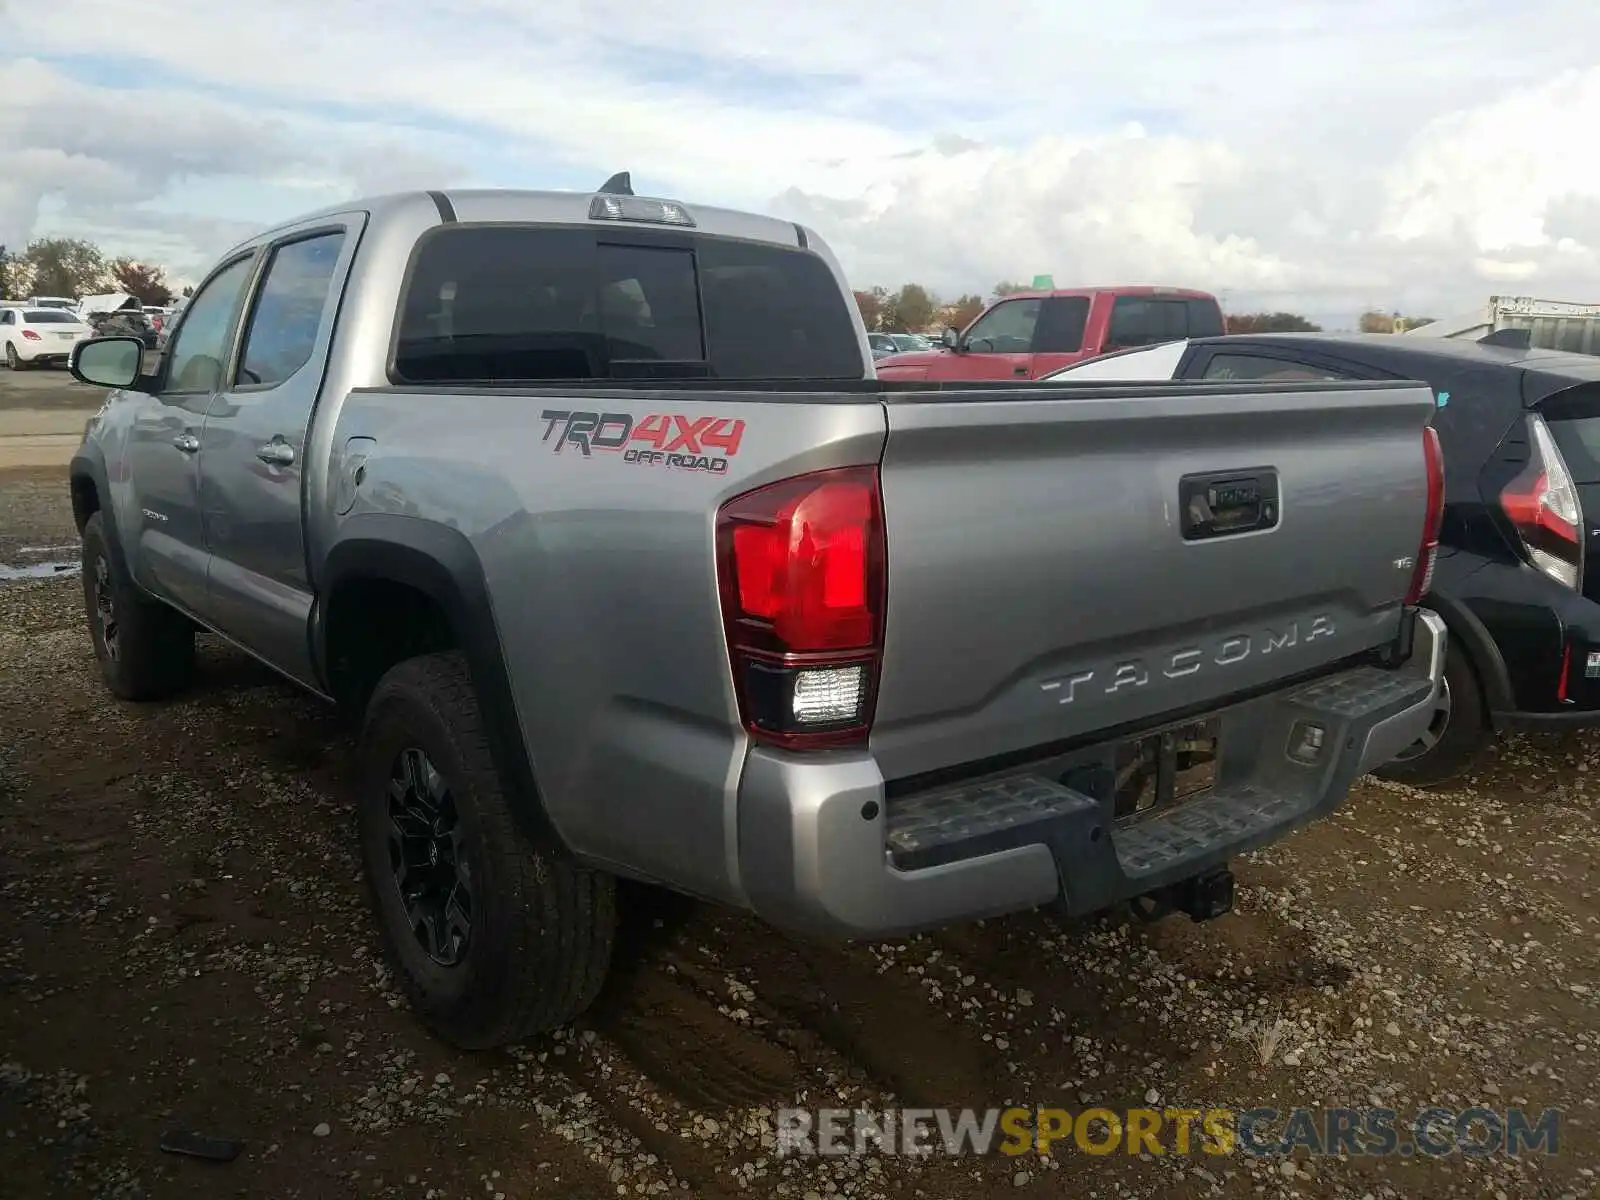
<point>1131,674</point>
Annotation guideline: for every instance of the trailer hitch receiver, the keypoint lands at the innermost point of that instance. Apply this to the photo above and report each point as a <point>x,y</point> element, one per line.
<point>1202,898</point>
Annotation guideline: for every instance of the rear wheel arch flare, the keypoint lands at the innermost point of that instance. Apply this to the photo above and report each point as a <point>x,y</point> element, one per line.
<point>379,555</point>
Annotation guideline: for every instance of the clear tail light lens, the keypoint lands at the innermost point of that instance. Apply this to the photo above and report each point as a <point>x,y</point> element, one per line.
<point>800,563</point>
<point>1542,504</point>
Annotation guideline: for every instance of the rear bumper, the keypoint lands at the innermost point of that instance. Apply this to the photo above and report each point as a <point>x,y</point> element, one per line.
<point>44,358</point>
<point>823,850</point>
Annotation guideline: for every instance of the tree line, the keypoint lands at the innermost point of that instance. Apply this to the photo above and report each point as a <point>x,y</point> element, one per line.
<point>73,267</point>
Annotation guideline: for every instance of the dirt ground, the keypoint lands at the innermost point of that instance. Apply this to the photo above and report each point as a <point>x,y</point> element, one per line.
<point>46,388</point>
<point>189,947</point>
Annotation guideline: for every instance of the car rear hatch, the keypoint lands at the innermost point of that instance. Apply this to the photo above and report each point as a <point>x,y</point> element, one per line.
<point>1068,562</point>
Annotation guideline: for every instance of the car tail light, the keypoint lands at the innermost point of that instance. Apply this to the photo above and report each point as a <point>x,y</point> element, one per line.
<point>1542,503</point>
<point>1432,517</point>
<point>31,335</point>
<point>801,565</point>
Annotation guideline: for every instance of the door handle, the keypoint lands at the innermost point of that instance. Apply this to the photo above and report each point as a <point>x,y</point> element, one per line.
<point>277,454</point>
<point>187,442</point>
<point>1019,370</point>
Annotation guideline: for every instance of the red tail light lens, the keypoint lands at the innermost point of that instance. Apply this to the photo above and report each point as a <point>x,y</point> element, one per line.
<point>1542,504</point>
<point>31,335</point>
<point>1432,519</point>
<point>801,568</point>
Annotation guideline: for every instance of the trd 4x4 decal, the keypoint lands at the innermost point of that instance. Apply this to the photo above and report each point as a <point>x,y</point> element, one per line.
<point>658,440</point>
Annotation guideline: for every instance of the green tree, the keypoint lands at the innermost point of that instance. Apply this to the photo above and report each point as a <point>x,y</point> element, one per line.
<point>147,283</point>
<point>1276,322</point>
<point>1007,288</point>
<point>1376,322</point>
<point>910,309</point>
<point>66,267</point>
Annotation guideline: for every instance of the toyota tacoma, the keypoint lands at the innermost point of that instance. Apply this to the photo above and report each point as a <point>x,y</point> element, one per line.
<point>590,511</point>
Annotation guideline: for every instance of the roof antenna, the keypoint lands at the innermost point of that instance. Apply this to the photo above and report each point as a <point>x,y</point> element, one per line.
<point>618,185</point>
<point>1515,339</point>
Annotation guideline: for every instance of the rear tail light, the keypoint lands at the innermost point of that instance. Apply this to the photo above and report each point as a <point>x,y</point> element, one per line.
<point>801,566</point>
<point>1542,504</point>
<point>1432,518</point>
<point>31,335</point>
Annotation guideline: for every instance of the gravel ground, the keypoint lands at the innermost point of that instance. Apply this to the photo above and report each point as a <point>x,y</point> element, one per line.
<point>46,387</point>
<point>189,947</point>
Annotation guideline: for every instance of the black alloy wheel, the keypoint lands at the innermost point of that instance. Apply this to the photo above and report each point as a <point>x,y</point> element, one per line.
<point>427,857</point>
<point>105,608</point>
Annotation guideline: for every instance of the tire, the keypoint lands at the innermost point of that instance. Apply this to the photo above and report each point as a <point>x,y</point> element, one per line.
<point>146,651</point>
<point>13,362</point>
<point>538,929</point>
<point>1461,731</point>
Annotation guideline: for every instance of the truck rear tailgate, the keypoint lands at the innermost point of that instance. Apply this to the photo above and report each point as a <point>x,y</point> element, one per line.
<point>1047,580</point>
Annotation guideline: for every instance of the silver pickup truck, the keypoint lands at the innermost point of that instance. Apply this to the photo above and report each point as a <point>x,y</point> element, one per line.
<point>590,511</point>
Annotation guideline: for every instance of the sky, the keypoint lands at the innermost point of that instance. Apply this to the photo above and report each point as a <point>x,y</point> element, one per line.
<point>1320,157</point>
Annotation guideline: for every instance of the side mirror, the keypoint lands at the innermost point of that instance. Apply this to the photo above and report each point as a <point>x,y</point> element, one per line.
<point>110,362</point>
<point>949,339</point>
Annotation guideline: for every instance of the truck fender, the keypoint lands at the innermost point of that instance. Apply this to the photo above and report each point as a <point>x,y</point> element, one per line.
<point>1468,632</point>
<point>88,466</point>
<point>442,564</point>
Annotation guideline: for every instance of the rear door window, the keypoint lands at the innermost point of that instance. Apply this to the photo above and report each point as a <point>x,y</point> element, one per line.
<point>1251,368</point>
<point>1061,324</point>
<point>1205,318</point>
<point>507,304</point>
<point>1147,321</point>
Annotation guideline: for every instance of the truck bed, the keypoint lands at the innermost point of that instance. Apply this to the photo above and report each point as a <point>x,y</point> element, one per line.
<point>1039,587</point>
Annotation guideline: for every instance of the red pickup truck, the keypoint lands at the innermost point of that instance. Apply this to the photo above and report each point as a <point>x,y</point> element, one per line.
<point>1029,334</point>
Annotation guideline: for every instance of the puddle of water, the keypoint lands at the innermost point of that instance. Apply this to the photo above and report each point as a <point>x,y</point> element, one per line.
<point>44,570</point>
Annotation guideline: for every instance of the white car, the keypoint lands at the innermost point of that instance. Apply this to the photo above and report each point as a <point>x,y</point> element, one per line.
<point>37,337</point>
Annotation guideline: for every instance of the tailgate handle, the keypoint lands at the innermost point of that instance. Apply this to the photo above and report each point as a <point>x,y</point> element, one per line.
<point>1223,503</point>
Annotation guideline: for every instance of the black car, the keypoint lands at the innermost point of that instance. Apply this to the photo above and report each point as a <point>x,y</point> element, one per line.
<point>1520,431</point>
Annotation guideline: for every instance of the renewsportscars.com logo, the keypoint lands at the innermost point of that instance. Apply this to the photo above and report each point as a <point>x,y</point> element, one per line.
<point>1255,1132</point>
<point>658,440</point>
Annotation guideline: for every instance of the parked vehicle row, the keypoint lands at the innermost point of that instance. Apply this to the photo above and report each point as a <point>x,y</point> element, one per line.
<point>27,345</point>
<point>39,337</point>
<point>589,510</point>
<point>1520,432</point>
<point>1027,335</point>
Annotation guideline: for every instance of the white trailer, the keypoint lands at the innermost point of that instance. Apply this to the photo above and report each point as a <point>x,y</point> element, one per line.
<point>1551,324</point>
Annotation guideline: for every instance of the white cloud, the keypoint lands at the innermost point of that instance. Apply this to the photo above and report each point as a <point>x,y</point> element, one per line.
<point>1321,156</point>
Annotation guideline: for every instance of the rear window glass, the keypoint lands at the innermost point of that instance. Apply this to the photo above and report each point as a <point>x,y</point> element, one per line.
<point>1574,419</point>
<point>507,304</point>
<point>49,316</point>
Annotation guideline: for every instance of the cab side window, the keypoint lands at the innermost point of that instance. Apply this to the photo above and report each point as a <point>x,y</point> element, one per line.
<point>1007,328</point>
<point>282,332</point>
<point>200,346</point>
